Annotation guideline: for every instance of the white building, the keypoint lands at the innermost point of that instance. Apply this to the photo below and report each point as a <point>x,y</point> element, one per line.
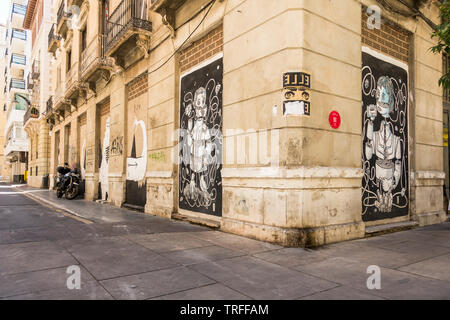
<point>15,89</point>
<point>39,21</point>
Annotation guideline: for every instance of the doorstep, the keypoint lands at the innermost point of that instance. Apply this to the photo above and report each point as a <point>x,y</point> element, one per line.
<point>390,228</point>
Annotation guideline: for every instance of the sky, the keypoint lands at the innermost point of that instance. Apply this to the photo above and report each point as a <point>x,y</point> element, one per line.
<point>4,9</point>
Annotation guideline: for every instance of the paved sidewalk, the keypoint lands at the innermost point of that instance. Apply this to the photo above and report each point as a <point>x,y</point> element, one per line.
<point>129,255</point>
<point>90,210</point>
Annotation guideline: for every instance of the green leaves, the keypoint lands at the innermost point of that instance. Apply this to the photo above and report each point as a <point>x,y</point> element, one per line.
<point>442,33</point>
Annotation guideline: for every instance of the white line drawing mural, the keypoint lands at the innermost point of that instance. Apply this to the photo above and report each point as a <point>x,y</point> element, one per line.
<point>83,160</point>
<point>385,138</point>
<point>137,165</point>
<point>104,164</point>
<point>201,139</point>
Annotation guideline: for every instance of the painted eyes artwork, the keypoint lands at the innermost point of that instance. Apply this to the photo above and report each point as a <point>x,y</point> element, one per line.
<point>385,138</point>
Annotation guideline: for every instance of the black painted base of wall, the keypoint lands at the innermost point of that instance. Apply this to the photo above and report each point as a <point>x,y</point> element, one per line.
<point>19,178</point>
<point>136,195</point>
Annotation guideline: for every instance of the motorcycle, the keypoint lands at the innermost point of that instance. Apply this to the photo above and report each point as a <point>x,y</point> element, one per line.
<point>67,183</point>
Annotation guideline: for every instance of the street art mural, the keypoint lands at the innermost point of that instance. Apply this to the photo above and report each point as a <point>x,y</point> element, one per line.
<point>200,152</point>
<point>82,128</point>
<point>385,185</point>
<point>104,157</point>
<point>136,186</point>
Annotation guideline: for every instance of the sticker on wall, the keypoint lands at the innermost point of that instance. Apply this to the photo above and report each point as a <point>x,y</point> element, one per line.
<point>385,137</point>
<point>296,88</point>
<point>334,119</point>
<point>200,179</point>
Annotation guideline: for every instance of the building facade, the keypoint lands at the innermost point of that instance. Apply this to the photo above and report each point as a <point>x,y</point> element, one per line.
<point>16,95</point>
<point>38,20</point>
<point>295,122</point>
<point>4,168</point>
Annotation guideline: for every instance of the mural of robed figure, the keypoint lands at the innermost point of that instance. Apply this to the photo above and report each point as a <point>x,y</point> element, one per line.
<point>385,137</point>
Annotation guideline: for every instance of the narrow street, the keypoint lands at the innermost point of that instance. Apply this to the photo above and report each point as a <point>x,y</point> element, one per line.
<point>129,255</point>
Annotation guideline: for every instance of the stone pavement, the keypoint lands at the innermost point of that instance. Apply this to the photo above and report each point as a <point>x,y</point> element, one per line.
<point>129,255</point>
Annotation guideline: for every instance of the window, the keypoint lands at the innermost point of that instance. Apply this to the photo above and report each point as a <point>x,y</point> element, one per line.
<point>83,39</point>
<point>21,101</point>
<point>69,60</point>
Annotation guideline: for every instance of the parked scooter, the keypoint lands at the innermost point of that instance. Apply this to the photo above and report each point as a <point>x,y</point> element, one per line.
<point>67,182</point>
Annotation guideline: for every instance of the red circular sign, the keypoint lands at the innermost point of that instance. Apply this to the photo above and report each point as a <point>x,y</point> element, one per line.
<point>334,119</point>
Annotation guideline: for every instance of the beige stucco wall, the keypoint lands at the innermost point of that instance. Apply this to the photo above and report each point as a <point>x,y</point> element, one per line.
<point>293,180</point>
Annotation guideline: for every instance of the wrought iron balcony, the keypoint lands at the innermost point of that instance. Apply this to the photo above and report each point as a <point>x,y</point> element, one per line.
<point>72,80</point>
<point>127,30</point>
<point>94,64</point>
<point>32,113</point>
<point>19,9</point>
<point>62,17</point>
<point>35,69</point>
<point>53,40</point>
<point>30,83</point>
<point>18,34</point>
<point>16,83</point>
<point>19,59</point>
<point>49,106</point>
<point>17,14</point>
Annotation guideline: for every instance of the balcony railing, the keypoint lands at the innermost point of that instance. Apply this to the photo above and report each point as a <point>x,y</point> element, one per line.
<point>19,9</point>
<point>53,39</point>
<point>129,14</point>
<point>58,98</point>
<point>61,12</point>
<point>72,77</point>
<point>91,56</point>
<point>31,113</point>
<point>61,19</point>
<point>17,84</point>
<point>35,69</point>
<point>30,83</point>
<point>18,59</point>
<point>18,34</point>
<point>49,106</point>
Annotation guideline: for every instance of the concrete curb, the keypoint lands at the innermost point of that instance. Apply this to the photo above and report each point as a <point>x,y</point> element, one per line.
<point>53,205</point>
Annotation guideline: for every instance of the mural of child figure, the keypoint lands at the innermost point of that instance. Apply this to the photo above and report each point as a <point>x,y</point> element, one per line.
<point>384,145</point>
<point>200,147</point>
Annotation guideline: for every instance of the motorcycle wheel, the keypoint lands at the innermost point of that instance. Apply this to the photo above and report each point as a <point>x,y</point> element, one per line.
<point>59,193</point>
<point>72,192</point>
